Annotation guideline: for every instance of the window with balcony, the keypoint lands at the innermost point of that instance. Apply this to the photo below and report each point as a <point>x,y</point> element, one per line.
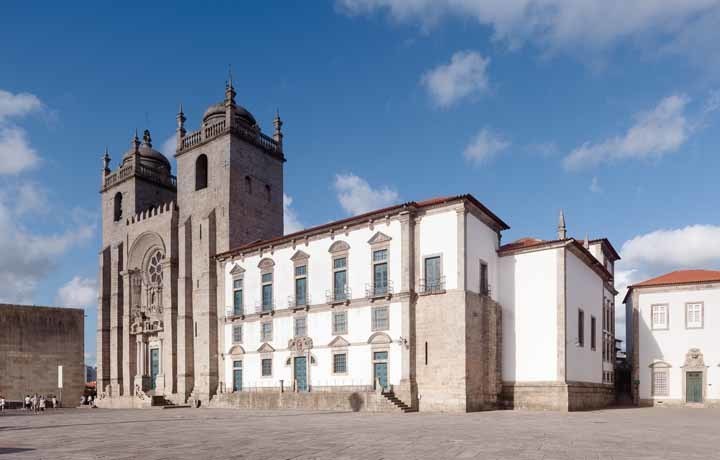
<point>340,278</point>
<point>301,285</point>
<point>433,280</point>
<point>238,296</point>
<point>267,291</point>
<point>380,272</point>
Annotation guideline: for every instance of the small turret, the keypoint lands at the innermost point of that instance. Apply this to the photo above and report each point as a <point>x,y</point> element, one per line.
<point>180,128</point>
<point>147,140</point>
<point>277,135</point>
<point>229,101</point>
<point>106,164</point>
<point>561,229</point>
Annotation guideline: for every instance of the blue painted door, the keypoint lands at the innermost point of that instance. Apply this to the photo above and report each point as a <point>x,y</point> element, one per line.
<point>154,365</point>
<point>380,369</point>
<point>693,383</point>
<point>237,375</point>
<point>301,373</point>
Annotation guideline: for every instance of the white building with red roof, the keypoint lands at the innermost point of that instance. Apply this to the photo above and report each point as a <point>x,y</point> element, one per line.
<point>672,338</point>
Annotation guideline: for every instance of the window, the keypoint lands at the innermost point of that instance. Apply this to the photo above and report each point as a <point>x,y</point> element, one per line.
<point>267,291</point>
<point>267,367</point>
<point>300,327</point>
<point>248,185</point>
<point>340,278</point>
<point>266,331</point>
<point>380,319</point>
<point>238,296</point>
<point>660,382</point>
<point>268,195</point>
<point>581,328</point>
<point>237,333</point>
<point>237,375</point>
<point>484,287</point>
<point>301,285</point>
<point>593,333</point>
<point>339,363</point>
<point>339,322</point>
<point>433,274</point>
<point>380,274</point>
<point>659,316</point>
<point>201,172</point>
<point>694,315</point>
<point>117,207</point>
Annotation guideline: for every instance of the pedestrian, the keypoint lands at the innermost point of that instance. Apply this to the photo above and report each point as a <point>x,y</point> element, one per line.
<point>82,400</point>
<point>27,402</point>
<point>2,404</point>
<point>90,401</point>
<point>42,403</point>
<point>54,402</point>
<point>33,403</point>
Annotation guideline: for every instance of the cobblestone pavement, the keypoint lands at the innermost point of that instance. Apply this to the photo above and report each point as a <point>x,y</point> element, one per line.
<point>223,434</point>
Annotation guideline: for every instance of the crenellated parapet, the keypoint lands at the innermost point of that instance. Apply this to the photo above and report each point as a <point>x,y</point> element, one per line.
<point>162,209</point>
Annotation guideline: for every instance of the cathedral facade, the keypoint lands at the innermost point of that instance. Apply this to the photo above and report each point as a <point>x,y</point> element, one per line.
<point>157,306</point>
<point>417,306</point>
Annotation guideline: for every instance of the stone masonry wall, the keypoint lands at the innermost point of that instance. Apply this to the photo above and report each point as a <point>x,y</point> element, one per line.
<point>482,348</point>
<point>34,341</point>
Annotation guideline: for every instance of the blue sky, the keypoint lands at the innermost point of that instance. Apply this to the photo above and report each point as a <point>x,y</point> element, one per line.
<point>609,111</point>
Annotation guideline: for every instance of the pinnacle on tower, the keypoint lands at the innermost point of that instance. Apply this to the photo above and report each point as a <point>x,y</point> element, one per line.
<point>135,143</point>
<point>229,89</point>
<point>106,162</point>
<point>277,122</point>
<point>147,140</point>
<point>561,229</point>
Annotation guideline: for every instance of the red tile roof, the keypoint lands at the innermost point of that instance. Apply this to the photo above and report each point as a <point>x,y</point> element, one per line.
<point>681,277</point>
<point>522,243</point>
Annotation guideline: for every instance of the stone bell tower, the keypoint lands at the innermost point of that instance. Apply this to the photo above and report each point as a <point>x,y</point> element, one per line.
<point>230,192</point>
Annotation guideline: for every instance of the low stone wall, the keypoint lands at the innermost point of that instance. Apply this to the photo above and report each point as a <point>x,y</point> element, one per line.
<point>123,402</point>
<point>571,396</point>
<point>321,400</point>
<point>678,403</point>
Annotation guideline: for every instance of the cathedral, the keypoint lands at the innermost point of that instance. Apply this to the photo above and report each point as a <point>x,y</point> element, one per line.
<point>204,300</point>
<point>157,307</point>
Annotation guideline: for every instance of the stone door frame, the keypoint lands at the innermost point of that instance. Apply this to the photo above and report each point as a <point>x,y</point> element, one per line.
<point>694,362</point>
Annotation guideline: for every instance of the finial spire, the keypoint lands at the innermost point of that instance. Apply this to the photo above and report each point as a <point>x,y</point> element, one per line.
<point>230,82</point>
<point>136,143</point>
<point>229,89</point>
<point>106,162</point>
<point>278,135</point>
<point>180,128</point>
<point>561,230</point>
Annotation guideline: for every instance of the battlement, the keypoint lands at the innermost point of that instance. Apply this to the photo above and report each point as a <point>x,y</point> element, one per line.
<point>169,207</point>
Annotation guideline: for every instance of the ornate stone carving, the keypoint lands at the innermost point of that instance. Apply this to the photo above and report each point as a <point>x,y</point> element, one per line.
<point>379,237</point>
<point>694,359</point>
<point>339,246</point>
<point>300,344</point>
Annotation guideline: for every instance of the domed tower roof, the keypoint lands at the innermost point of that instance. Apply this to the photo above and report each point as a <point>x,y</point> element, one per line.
<point>216,112</point>
<point>149,157</point>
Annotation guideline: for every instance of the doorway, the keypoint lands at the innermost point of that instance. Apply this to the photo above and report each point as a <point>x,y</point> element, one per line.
<point>300,368</point>
<point>694,387</point>
<point>237,376</point>
<point>154,366</point>
<point>380,369</point>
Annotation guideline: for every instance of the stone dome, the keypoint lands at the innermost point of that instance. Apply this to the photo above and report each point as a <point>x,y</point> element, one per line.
<point>216,112</point>
<point>149,157</point>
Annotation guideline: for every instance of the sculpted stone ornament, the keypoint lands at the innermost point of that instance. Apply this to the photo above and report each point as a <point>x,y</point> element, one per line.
<point>300,344</point>
<point>694,359</point>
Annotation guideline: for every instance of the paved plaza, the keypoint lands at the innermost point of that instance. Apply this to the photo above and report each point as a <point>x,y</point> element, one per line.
<point>225,434</point>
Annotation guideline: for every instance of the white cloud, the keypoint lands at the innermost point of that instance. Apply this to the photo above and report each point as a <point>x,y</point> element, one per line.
<point>356,196</point>
<point>291,222</point>
<point>687,27</point>
<point>595,185</point>
<point>17,105</point>
<point>168,147</point>
<point>654,134</point>
<point>465,75</point>
<point>16,154</point>
<point>695,246</point>
<point>485,145</point>
<point>79,293</point>
<point>27,256</point>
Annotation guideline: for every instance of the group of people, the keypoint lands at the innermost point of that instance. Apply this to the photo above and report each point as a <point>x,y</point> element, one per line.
<point>38,403</point>
<point>89,401</point>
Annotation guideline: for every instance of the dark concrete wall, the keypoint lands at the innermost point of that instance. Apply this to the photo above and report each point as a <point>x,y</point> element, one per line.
<point>34,341</point>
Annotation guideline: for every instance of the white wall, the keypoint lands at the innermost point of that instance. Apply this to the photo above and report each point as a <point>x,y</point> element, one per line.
<point>438,235</point>
<point>528,295</point>
<point>672,345</point>
<point>584,291</point>
<point>482,244</point>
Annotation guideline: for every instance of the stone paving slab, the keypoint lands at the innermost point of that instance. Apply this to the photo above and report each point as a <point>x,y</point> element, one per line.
<point>618,434</point>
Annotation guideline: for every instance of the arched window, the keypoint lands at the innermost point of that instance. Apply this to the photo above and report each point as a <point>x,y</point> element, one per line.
<point>117,207</point>
<point>201,172</point>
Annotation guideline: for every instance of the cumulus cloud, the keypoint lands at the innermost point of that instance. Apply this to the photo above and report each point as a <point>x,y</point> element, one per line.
<point>465,75</point>
<point>17,105</point>
<point>655,133</point>
<point>16,154</point>
<point>78,292</point>
<point>356,196</point>
<point>291,222</point>
<point>687,27</point>
<point>485,145</point>
<point>168,146</point>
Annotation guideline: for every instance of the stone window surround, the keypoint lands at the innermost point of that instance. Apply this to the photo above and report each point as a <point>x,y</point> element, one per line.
<point>295,318</point>
<point>267,266</point>
<point>702,315</point>
<point>487,277</point>
<point>263,336</point>
<point>655,367</point>
<point>340,351</point>
<point>240,278</point>
<point>332,322</point>
<point>338,250</point>
<point>383,244</point>
<point>581,328</point>
<point>263,358</point>
<point>238,327</point>
<point>667,317</point>
<point>423,258</point>
<point>593,333</point>
<point>373,327</point>
<point>296,277</point>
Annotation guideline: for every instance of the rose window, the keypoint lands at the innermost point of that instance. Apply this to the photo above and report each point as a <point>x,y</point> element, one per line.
<point>154,270</point>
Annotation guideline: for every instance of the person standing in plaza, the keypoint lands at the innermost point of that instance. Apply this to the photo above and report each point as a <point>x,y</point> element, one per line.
<point>26,404</point>
<point>54,402</point>
<point>2,404</point>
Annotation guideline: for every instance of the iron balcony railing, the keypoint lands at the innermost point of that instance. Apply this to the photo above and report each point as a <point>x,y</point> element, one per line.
<point>379,290</point>
<point>338,295</point>
<point>231,312</point>
<point>299,302</point>
<point>264,306</point>
<point>432,286</point>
